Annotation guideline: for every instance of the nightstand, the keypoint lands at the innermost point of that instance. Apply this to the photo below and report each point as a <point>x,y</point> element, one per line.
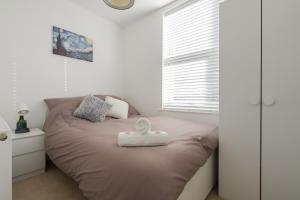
<point>28,151</point>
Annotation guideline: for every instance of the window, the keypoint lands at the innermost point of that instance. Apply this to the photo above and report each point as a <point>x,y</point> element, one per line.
<point>191,57</point>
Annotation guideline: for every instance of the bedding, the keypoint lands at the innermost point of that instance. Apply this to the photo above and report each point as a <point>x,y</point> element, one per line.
<point>88,152</point>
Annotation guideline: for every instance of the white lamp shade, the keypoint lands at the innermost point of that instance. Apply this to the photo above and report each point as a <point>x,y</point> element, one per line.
<point>23,109</point>
<point>120,4</point>
<point>3,125</point>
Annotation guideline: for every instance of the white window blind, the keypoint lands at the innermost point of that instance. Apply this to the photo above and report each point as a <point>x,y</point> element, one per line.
<point>191,57</point>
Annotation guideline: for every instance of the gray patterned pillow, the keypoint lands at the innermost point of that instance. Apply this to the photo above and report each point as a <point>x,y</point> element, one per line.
<point>93,109</point>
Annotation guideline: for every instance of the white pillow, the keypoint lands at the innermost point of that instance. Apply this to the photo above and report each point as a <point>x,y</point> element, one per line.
<point>119,108</point>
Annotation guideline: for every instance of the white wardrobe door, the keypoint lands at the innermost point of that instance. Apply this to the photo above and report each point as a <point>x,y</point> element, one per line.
<point>240,57</point>
<point>281,83</point>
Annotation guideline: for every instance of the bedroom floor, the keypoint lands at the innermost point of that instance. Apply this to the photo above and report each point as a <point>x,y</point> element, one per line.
<point>55,185</point>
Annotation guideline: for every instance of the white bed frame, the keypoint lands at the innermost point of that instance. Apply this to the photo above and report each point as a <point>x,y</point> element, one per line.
<point>202,182</point>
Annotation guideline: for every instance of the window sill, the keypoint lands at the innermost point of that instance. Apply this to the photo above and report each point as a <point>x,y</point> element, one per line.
<point>189,111</point>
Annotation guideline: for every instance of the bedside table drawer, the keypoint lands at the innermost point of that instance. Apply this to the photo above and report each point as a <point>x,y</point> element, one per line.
<point>28,145</point>
<point>28,163</point>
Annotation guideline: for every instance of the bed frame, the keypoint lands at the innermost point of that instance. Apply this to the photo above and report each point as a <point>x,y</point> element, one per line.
<point>202,182</point>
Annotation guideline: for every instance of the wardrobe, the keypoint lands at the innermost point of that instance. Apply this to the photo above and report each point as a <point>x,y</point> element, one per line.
<point>259,154</point>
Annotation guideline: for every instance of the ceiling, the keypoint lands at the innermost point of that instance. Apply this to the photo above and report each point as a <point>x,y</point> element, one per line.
<point>123,17</point>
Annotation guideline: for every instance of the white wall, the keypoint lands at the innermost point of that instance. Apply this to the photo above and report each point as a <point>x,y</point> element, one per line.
<point>143,67</point>
<point>29,72</point>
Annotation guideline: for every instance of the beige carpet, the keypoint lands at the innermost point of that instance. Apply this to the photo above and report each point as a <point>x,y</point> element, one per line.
<point>54,185</point>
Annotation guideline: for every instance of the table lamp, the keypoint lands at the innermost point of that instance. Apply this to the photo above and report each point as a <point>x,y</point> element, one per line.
<point>4,128</point>
<point>22,123</point>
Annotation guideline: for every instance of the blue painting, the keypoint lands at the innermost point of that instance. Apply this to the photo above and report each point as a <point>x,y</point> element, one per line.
<point>66,43</point>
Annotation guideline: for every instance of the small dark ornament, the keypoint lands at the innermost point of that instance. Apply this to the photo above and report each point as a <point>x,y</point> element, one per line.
<point>22,125</point>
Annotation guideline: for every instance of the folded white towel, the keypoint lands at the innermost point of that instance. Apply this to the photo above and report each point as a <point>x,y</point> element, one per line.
<point>143,136</point>
<point>152,138</point>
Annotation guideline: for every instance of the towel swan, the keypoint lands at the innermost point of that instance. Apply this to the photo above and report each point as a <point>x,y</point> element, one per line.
<point>143,135</point>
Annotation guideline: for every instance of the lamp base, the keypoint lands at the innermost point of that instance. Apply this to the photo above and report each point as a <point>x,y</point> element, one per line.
<point>22,130</point>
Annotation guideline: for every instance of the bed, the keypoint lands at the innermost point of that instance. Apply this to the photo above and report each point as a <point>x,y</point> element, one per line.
<point>88,152</point>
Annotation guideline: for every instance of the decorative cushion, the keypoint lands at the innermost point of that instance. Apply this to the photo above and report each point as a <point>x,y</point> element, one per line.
<point>93,109</point>
<point>119,108</point>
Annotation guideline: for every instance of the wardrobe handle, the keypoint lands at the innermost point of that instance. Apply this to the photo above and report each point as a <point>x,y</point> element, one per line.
<point>254,100</point>
<point>268,101</point>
